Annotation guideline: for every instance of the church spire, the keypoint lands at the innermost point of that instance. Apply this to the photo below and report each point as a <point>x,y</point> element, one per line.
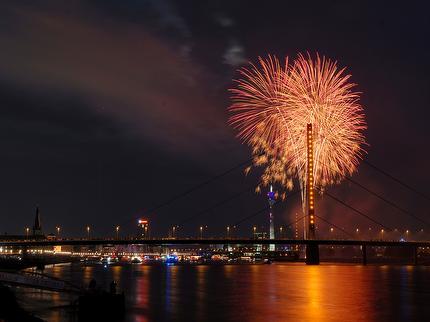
<point>37,228</point>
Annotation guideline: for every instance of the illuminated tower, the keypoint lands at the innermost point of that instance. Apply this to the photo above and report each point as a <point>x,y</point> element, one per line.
<point>144,225</point>
<point>271,199</point>
<point>312,249</point>
<point>310,182</point>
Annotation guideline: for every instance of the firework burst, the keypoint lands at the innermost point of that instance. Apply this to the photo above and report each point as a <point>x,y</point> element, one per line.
<point>273,103</point>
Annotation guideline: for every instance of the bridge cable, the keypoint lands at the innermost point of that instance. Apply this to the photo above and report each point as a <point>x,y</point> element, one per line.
<point>326,221</point>
<point>261,210</point>
<point>391,176</point>
<point>397,180</point>
<point>334,225</point>
<point>354,209</point>
<point>196,187</point>
<point>295,221</point>
<point>392,204</point>
<point>328,194</point>
<point>222,202</point>
<point>298,220</point>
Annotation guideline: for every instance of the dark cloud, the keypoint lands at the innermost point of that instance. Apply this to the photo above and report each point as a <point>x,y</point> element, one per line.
<point>109,108</point>
<point>119,70</point>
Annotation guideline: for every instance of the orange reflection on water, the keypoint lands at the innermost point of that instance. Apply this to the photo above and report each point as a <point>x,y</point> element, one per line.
<point>314,291</point>
<point>142,293</point>
<point>116,275</point>
<point>310,293</point>
<point>228,271</point>
<point>87,274</point>
<point>336,293</point>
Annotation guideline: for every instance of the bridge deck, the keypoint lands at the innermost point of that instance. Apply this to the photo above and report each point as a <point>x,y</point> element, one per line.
<point>214,241</point>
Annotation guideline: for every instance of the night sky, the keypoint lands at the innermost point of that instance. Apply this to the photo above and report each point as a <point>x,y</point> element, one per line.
<point>109,108</point>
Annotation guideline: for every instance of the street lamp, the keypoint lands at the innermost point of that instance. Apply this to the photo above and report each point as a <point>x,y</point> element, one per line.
<point>280,231</point>
<point>228,231</point>
<point>382,233</point>
<point>201,232</point>
<point>88,232</point>
<point>58,231</point>
<point>173,231</point>
<point>117,231</point>
<point>254,229</point>
<point>27,231</point>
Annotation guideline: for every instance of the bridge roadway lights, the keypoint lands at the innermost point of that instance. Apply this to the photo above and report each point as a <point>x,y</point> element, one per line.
<point>312,254</point>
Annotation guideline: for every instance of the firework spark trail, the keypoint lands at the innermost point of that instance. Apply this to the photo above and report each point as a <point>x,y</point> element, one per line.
<point>272,105</point>
<point>261,120</point>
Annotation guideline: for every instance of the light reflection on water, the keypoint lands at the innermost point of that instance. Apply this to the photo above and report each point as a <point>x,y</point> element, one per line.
<point>278,292</point>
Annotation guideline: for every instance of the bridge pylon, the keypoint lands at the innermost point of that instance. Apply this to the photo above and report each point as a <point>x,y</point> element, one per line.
<point>312,250</point>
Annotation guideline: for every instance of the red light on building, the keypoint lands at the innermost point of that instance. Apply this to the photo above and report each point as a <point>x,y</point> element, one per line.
<point>144,225</point>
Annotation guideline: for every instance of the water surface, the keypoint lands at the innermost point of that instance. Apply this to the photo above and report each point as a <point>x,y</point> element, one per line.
<point>277,292</point>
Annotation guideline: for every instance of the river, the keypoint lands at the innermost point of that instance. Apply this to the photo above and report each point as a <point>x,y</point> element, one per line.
<point>236,293</point>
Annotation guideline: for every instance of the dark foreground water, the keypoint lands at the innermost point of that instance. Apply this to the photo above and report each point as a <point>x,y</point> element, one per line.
<point>278,292</point>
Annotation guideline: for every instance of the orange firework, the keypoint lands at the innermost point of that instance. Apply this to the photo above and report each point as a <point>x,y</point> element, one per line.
<point>272,105</point>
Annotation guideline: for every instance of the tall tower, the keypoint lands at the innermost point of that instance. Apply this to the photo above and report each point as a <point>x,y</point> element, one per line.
<point>37,227</point>
<point>312,249</point>
<point>271,199</point>
<point>310,182</point>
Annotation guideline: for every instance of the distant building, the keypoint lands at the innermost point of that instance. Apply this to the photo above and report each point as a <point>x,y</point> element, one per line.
<point>144,226</point>
<point>37,228</point>
<point>51,237</point>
